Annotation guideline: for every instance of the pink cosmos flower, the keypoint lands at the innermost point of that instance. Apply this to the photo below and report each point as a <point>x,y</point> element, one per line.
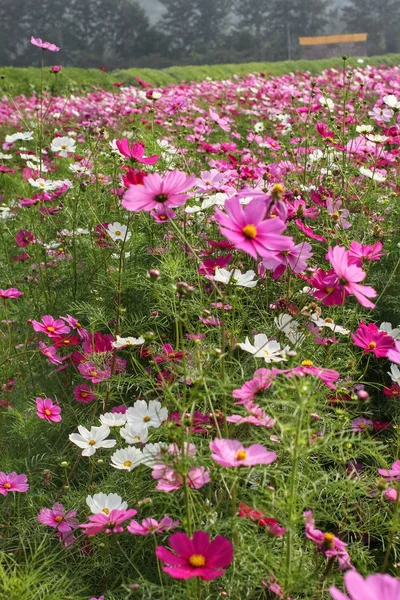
<point>246,229</point>
<point>327,376</point>
<point>262,380</point>
<point>256,417</point>
<point>337,214</point>
<point>372,340</point>
<point>58,519</point>
<point>196,557</point>
<point>23,237</point>
<point>75,324</point>
<point>391,494</point>
<point>47,410</point>
<point>44,45</point>
<point>50,352</point>
<point>373,587</point>
<point>110,523</point>
<point>89,370</point>
<point>231,453</point>
<point>327,288</point>
<point>327,543</point>
<point>358,254</point>
<point>209,266</point>
<point>394,354</point>
<point>392,474</point>
<point>135,152</point>
<point>150,526</point>
<point>169,480</point>
<point>361,424</point>
<point>294,258</point>
<point>13,483</point>
<point>350,275</point>
<point>56,68</point>
<point>84,393</point>
<point>10,293</point>
<point>156,190</point>
<point>51,327</point>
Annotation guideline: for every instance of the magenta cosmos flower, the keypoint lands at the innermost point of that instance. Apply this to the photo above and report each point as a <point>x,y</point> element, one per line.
<point>89,370</point>
<point>231,453</point>
<point>262,380</point>
<point>392,474</point>
<point>135,152</point>
<point>156,191</point>
<point>350,276</point>
<point>373,587</point>
<point>196,557</point>
<point>13,483</point>
<point>246,229</point>
<point>44,45</point>
<point>51,327</point>
<point>394,354</point>
<point>10,293</point>
<point>64,523</point>
<point>150,526</point>
<point>47,410</point>
<point>294,258</point>
<point>327,543</point>
<point>110,523</point>
<point>372,340</point>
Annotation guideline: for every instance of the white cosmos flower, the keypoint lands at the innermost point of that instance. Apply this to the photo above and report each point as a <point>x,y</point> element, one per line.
<point>5,156</point>
<point>133,435</point>
<point>113,419</point>
<point>376,176</point>
<point>394,373</point>
<point>319,322</point>
<point>92,439</point>
<point>328,102</point>
<point>33,166</point>
<point>142,415</point>
<point>116,231</point>
<point>394,332</point>
<point>290,328</point>
<point>128,341</point>
<point>20,135</point>
<point>237,277</point>
<point>126,459</point>
<point>377,139</point>
<point>259,127</point>
<point>63,145</point>
<point>391,101</point>
<point>152,453</point>
<point>270,350</point>
<point>46,185</point>
<point>364,129</point>
<point>105,503</point>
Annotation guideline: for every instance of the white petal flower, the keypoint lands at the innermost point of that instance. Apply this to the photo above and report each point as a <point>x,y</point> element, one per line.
<point>46,185</point>
<point>391,101</point>
<point>364,129</point>
<point>270,350</point>
<point>126,459</point>
<point>319,322</point>
<point>236,277</point>
<point>375,175</point>
<point>394,373</point>
<point>133,435</point>
<point>394,332</point>
<point>63,145</point>
<point>92,439</point>
<point>128,341</point>
<point>113,419</point>
<point>105,503</point>
<point>27,135</point>
<point>290,328</point>
<point>117,231</point>
<point>142,415</point>
<point>377,139</point>
<point>152,453</point>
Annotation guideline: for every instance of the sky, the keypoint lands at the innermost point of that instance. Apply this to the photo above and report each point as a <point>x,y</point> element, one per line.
<point>153,9</point>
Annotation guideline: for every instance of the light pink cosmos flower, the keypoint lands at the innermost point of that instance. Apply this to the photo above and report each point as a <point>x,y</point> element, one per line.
<point>167,191</point>
<point>358,254</point>
<point>169,480</point>
<point>392,474</point>
<point>47,410</point>
<point>150,526</point>
<point>58,519</point>
<point>50,326</point>
<point>44,45</point>
<point>337,214</point>
<point>327,543</point>
<point>135,152</point>
<point>257,416</point>
<point>262,380</point>
<point>75,324</point>
<point>111,523</point>
<point>391,494</point>
<point>50,352</point>
<point>361,424</point>
<point>374,587</point>
<point>394,354</point>
<point>89,370</point>
<point>197,556</point>
<point>12,483</point>
<point>231,453</point>
<point>350,276</point>
<point>246,229</point>
<point>10,293</point>
<point>294,258</point>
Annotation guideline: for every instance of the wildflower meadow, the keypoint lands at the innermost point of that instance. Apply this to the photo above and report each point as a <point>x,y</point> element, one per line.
<point>200,342</point>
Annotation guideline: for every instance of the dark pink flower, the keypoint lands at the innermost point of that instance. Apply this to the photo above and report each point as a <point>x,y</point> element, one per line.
<point>394,354</point>
<point>44,45</point>
<point>196,557</point>
<point>358,254</point>
<point>372,340</point>
<point>111,523</point>
<point>47,410</point>
<point>89,370</point>
<point>135,152</point>
<point>246,229</point>
<point>13,483</point>
<point>51,327</point>
<point>231,453</point>
<point>84,393</point>
<point>262,380</point>
<point>23,237</point>
<point>373,587</point>
<point>10,293</point>
<point>392,474</point>
<point>209,266</point>
<point>156,190</point>
<point>56,68</point>
<point>327,543</point>
<point>328,288</point>
<point>350,276</point>
<point>151,526</point>
<point>58,519</point>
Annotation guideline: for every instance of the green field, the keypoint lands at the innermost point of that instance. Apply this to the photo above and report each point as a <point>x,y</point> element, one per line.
<point>27,80</point>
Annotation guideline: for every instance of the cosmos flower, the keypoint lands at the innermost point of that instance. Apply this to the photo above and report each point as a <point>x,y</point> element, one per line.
<point>12,483</point>
<point>10,293</point>
<point>110,523</point>
<point>90,440</point>
<point>126,459</point>
<point>44,45</point>
<point>105,503</point>
<point>372,340</point>
<point>349,276</point>
<point>270,350</point>
<point>231,453</point>
<point>60,520</point>
<point>143,414</point>
<point>135,152</point>
<point>327,543</point>
<point>168,191</point>
<point>374,587</point>
<point>51,327</point>
<point>151,526</point>
<point>47,410</point>
<point>63,145</point>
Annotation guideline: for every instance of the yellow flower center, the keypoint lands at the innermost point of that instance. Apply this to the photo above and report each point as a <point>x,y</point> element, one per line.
<point>91,442</point>
<point>328,540</point>
<point>335,216</point>
<point>51,329</point>
<point>328,320</point>
<point>127,463</point>
<point>197,560</point>
<point>63,147</point>
<point>58,518</point>
<point>307,363</point>
<point>47,412</point>
<point>250,231</point>
<point>106,511</point>
<point>93,373</point>
<point>117,233</point>
<point>146,419</point>
<point>84,394</point>
<point>241,455</point>
<point>329,290</point>
<point>7,486</point>
<point>372,345</point>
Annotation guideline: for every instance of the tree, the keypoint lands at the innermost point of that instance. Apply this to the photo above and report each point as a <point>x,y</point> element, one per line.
<point>252,19</point>
<point>379,18</point>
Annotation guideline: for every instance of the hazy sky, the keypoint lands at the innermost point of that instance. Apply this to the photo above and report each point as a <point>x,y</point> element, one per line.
<point>153,8</point>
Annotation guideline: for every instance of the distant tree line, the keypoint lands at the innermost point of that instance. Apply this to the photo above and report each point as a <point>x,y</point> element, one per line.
<point>118,33</point>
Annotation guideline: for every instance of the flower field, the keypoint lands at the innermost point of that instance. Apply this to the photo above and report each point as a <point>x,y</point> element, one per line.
<point>200,350</point>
